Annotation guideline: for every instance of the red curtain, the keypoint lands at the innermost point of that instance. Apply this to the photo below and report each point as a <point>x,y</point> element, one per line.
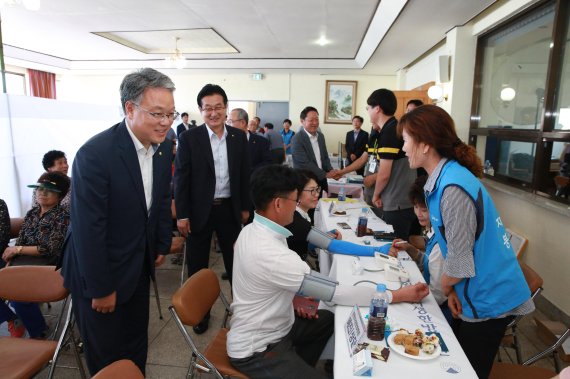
<point>42,84</point>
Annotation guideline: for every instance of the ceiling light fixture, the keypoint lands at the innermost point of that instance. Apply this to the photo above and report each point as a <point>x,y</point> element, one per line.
<point>435,93</point>
<point>31,5</point>
<point>323,41</point>
<point>177,59</point>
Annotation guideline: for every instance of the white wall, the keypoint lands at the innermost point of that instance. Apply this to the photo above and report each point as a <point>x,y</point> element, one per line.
<point>300,90</point>
<point>543,222</point>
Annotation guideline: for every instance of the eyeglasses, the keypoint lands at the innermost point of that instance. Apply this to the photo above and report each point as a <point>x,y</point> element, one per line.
<point>217,109</point>
<point>314,191</point>
<point>160,116</point>
<point>297,201</point>
<point>231,122</point>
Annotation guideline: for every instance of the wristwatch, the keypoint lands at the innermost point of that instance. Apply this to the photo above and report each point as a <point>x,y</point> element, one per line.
<point>19,250</point>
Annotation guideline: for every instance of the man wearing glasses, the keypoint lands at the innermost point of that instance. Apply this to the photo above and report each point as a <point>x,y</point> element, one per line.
<point>121,222</point>
<point>211,184</point>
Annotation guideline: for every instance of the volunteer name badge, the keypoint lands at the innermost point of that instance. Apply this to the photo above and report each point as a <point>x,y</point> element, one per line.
<point>354,330</point>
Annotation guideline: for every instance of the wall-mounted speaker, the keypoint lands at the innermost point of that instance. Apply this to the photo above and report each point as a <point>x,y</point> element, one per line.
<point>444,68</point>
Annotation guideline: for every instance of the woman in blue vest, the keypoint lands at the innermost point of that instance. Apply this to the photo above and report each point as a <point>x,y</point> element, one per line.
<point>481,277</point>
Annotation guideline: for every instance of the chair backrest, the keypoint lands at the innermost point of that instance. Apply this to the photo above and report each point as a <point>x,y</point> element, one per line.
<point>195,298</point>
<point>35,284</point>
<point>561,181</point>
<point>124,369</point>
<point>15,226</point>
<point>533,280</point>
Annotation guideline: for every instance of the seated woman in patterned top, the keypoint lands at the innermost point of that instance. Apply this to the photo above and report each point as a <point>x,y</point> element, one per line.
<point>40,243</point>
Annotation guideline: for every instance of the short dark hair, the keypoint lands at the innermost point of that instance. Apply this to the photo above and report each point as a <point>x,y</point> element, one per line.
<point>257,118</point>
<point>134,84</point>
<point>209,90</point>
<point>358,117</point>
<point>305,176</point>
<point>417,194</point>
<point>416,102</point>
<point>288,121</point>
<point>61,181</point>
<point>184,114</point>
<point>385,99</point>
<point>306,111</point>
<point>271,181</point>
<point>269,125</point>
<point>50,157</point>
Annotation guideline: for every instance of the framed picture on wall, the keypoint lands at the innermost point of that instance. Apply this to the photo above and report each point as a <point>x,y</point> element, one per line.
<point>340,101</point>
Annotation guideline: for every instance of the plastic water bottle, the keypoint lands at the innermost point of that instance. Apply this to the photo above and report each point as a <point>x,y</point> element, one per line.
<point>362,223</point>
<point>378,313</point>
<point>486,166</point>
<point>341,194</point>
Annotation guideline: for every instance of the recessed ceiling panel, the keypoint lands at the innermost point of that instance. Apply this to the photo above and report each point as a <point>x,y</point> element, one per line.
<point>190,41</point>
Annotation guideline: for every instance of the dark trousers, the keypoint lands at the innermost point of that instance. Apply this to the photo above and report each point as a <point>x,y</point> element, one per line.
<point>227,228</point>
<point>29,313</point>
<point>404,222</point>
<point>122,334</point>
<point>295,355</point>
<point>480,341</point>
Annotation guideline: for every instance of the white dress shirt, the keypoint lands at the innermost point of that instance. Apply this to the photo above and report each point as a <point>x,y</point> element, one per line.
<point>145,162</point>
<point>315,144</point>
<point>221,165</point>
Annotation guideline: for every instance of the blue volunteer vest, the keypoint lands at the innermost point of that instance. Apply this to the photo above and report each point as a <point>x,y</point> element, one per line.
<point>425,261</point>
<point>498,285</point>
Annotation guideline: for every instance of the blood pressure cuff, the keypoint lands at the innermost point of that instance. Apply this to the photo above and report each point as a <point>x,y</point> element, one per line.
<point>325,241</point>
<point>317,286</point>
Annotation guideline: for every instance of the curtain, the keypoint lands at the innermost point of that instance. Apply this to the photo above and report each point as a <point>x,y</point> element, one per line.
<point>42,84</point>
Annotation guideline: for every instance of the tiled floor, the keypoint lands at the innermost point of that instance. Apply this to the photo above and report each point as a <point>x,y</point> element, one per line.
<point>168,355</point>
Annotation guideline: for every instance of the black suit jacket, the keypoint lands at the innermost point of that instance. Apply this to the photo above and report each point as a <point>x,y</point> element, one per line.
<point>195,180</point>
<point>180,128</point>
<point>355,147</point>
<point>258,151</point>
<point>112,231</point>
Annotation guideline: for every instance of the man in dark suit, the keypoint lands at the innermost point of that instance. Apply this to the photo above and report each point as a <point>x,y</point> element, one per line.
<point>121,222</point>
<point>356,141</point>
<point>211,184</point>
<point>309,148</point>
<point>183,126</point>
<point>258,146</point>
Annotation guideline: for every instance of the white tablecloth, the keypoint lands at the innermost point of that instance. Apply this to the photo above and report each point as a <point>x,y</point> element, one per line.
<point>426,315</point>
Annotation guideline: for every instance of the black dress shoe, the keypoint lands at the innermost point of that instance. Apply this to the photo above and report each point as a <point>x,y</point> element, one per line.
<point>202,326</point>
<point>225,276</point>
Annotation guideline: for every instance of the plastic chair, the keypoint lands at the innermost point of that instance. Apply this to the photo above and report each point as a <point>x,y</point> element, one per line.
<point>189,306</point>
<point>534,282</point>
<point>513,371</point>
<point>23,358</point>
<point>124,369</point>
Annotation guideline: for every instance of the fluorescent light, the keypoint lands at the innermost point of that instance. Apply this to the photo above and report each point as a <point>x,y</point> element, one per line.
<point>323,41</point>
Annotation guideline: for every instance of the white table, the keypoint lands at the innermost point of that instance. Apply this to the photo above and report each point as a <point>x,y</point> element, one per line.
<point>426,315</point>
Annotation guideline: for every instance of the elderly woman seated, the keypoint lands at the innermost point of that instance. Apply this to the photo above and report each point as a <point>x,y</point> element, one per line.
<point>55,160</point>
<point>40,243</point>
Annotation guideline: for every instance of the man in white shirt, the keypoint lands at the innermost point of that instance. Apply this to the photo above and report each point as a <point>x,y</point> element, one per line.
<point>211,184</point>
<point>266,339</point>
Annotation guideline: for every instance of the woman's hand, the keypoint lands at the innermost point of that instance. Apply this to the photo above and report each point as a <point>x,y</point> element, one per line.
<point>9,253</point>
<point>394,249</point>
<point>454,304</point>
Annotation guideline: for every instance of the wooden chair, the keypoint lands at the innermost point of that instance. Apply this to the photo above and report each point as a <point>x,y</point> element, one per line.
<point>525,371</point>
<point>534,282</point>
<point>189,306</point>
<point>124,369</point>
<point>24,358</point>
<point>561,183</point>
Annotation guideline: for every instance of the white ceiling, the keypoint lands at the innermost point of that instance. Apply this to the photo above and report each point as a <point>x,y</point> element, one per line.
<point>370,36</point>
